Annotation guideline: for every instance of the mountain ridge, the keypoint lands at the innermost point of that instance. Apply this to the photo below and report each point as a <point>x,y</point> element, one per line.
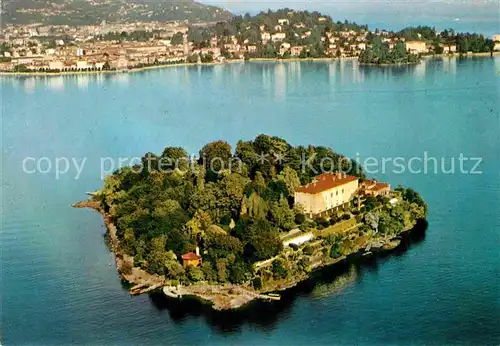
<point>88,12</point>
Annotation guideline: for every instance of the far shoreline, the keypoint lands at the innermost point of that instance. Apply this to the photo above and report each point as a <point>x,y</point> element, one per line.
<point>233,61</point>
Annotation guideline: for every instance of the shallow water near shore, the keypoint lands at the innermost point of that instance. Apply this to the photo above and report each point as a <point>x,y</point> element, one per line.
<point>58,280</point>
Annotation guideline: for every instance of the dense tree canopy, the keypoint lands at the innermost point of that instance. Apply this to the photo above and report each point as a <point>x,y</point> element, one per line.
<point>171,204</point>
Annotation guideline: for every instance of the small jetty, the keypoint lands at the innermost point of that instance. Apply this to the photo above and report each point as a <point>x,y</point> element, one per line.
<point>223,297</point>
<point>144,288</point>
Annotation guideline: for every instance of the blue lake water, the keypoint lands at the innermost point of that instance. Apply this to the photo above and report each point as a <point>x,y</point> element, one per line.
<point>58,283</point>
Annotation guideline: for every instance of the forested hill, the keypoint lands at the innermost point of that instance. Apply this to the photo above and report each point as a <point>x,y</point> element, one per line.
<point>84,12</point>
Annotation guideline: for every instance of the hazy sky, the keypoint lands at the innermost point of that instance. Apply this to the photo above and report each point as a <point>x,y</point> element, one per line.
<point>464,15</point>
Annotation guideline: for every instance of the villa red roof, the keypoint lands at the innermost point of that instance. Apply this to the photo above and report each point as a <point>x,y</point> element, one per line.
<point>190,256</point>
<point>380,186</point>
<point>326,181</point>
<point>374,185</point>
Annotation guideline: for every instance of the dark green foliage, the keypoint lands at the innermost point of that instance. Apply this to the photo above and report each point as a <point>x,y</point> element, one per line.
<point>300,218</point>
<point>195,274</point>
<point>279,269</point>
<point>257,283</point>
<point>221,245</point>
<point>215,157</point>
<point>475,43</point>
<point>262,240</point>
<point>238,273</point>
<point>380,53</point>
<point>308,250</point>
<point>21,68</point>
<point>209,272</point>
<point>323,222</point>
<point>335,250</point>
<point>160,210</point>
<point>412,196</point>
<point>177,39</point>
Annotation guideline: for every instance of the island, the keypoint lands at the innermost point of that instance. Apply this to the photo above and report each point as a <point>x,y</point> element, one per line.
<point>233,226</point>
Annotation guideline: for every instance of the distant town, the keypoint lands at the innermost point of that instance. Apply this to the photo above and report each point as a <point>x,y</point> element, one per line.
<point>282,34</point>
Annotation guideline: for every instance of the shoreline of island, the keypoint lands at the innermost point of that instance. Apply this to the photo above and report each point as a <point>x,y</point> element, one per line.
<point>234,61</point>
<point>232,236</point>
<point>225,297</point>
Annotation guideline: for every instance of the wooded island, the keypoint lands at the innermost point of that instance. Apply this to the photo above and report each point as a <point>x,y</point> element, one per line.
<point>260,218</point>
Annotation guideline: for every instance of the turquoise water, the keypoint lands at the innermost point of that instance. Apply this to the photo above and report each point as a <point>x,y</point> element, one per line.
<point>58,281</point>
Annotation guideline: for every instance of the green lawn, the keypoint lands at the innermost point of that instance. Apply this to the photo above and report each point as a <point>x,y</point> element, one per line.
<point>338,228</point>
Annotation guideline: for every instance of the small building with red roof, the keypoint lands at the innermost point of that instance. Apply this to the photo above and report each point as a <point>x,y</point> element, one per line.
<point>375,188</point>
<point>191,259</point>
<point>326,192</point>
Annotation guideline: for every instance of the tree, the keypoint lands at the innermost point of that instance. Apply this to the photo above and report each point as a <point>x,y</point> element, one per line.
<point>282,215</point>
<point>308,250</point>
<point>21,68</point>
<point>233,187</point>
<point>157,256</point>
<point>193,58</point>
<point>335,250</point>
<point>300,218</point>
<point>173,157</point>
<point>209,272</point>
<point>238,273</point>
<point>221,265</point>
<point>279,269</point>
<point>221,245</point>
<point>372,220</point>
<point>173,269</point>
<point>291,179</point>
<point>195,274</point>
<point>215,157</point>
<point>257,283</point>
<point>257,207</point>
<point>262,240</point>
<point>177,39</point>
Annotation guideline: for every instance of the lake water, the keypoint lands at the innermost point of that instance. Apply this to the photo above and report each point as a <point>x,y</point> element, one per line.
<point>58,280</point>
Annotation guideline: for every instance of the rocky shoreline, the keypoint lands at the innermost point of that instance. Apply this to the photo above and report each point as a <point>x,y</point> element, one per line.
<point>221,297</point>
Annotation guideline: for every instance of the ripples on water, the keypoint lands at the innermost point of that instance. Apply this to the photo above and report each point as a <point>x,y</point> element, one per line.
<point>58,281</point>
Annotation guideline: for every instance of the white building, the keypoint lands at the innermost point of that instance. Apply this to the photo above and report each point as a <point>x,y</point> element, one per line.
<point>280,36</point>
<point>298,239</point>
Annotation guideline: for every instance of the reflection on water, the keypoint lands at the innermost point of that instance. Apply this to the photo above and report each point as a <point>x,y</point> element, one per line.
<point>121,78</point>
<point>82,82</point>
<point>277,78</point>
<point>338,283</point>
<point>29,85</point>
<point>450,65</point>
<point>55,83</point>
<point>419,70</point>
<point>265,315</point>
<point>280,78</point>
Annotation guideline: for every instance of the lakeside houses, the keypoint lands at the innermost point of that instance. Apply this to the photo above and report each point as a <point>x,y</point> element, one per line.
<point>416,47</point>
<point>284,48</point>
<point>296,50</point>
<point>448,48</point>
<point>121,46</point>
<point>283,21</point>
<point>277,37</point>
